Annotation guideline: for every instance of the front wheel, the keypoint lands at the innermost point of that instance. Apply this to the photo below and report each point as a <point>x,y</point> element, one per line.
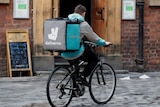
<point>103,83</point>
<point>59,87</point>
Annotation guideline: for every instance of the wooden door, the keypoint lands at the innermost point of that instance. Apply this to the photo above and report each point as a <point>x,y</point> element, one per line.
<point>99,17</point>
<point>42,9</point>
<point>106,22</point>
<point>55,8</point>
<point>114,25</point>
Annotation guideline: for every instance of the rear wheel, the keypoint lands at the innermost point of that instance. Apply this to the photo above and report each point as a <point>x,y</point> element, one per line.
<point>59,87</point>
<point>103,83</point>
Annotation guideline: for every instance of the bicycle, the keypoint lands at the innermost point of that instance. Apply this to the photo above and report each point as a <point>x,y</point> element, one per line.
<point>64,83</point>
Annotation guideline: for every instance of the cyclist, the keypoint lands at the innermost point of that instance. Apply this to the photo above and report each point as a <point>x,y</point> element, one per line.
<point>85,52</point>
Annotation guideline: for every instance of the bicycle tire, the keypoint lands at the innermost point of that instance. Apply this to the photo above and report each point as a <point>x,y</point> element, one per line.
<point>58,94</point>
<point>102,92</point>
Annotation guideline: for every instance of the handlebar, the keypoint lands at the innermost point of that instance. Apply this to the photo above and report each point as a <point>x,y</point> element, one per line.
<point>92,44</point>
<point>108,45</point>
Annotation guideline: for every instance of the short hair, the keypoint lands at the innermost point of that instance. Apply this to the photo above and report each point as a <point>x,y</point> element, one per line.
<point>80,9</point>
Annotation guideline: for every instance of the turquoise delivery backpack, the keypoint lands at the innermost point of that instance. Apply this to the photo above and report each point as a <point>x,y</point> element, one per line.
<point>61,34</point>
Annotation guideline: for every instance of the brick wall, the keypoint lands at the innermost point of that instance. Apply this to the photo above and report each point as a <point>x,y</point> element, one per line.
<point>129,36</point>
<point>151,39</point>
<point>8,22</point>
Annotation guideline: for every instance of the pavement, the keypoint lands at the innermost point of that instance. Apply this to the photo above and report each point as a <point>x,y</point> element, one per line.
<point>133,90</point>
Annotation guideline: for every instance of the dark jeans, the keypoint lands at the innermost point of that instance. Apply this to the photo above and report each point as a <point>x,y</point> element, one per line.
<point>91,58</point>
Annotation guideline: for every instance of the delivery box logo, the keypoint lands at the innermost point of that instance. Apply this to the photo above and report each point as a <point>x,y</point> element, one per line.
<point>54,34</point>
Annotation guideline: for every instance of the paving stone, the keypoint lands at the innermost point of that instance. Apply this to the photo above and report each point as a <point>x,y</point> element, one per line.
<point>31,92</point>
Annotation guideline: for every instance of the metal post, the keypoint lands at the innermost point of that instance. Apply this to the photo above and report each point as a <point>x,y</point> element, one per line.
<point>140,59</point>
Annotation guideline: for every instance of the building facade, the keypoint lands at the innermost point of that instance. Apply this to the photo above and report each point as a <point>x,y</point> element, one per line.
<point>106,18</point>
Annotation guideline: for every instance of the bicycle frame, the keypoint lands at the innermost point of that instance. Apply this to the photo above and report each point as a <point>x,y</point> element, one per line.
<point>70,74</point>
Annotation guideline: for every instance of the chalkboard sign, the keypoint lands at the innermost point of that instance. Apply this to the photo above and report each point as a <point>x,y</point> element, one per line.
<point>18,55</point>
<point>18,51</point>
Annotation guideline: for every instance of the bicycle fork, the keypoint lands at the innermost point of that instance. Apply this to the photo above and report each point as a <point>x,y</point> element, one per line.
<point>100,75</point>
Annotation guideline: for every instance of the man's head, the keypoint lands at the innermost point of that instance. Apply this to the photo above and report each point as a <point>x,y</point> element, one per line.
<point>80,9</point>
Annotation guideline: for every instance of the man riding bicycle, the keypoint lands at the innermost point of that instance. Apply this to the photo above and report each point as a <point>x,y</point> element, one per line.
<point>85,52</point>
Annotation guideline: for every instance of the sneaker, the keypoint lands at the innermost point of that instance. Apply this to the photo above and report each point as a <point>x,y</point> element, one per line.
<point>84,81</point>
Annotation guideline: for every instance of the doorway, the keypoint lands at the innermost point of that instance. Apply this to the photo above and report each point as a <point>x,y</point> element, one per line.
<point>103,15</point>
<point>95,15</point>
<point>67,7</point>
